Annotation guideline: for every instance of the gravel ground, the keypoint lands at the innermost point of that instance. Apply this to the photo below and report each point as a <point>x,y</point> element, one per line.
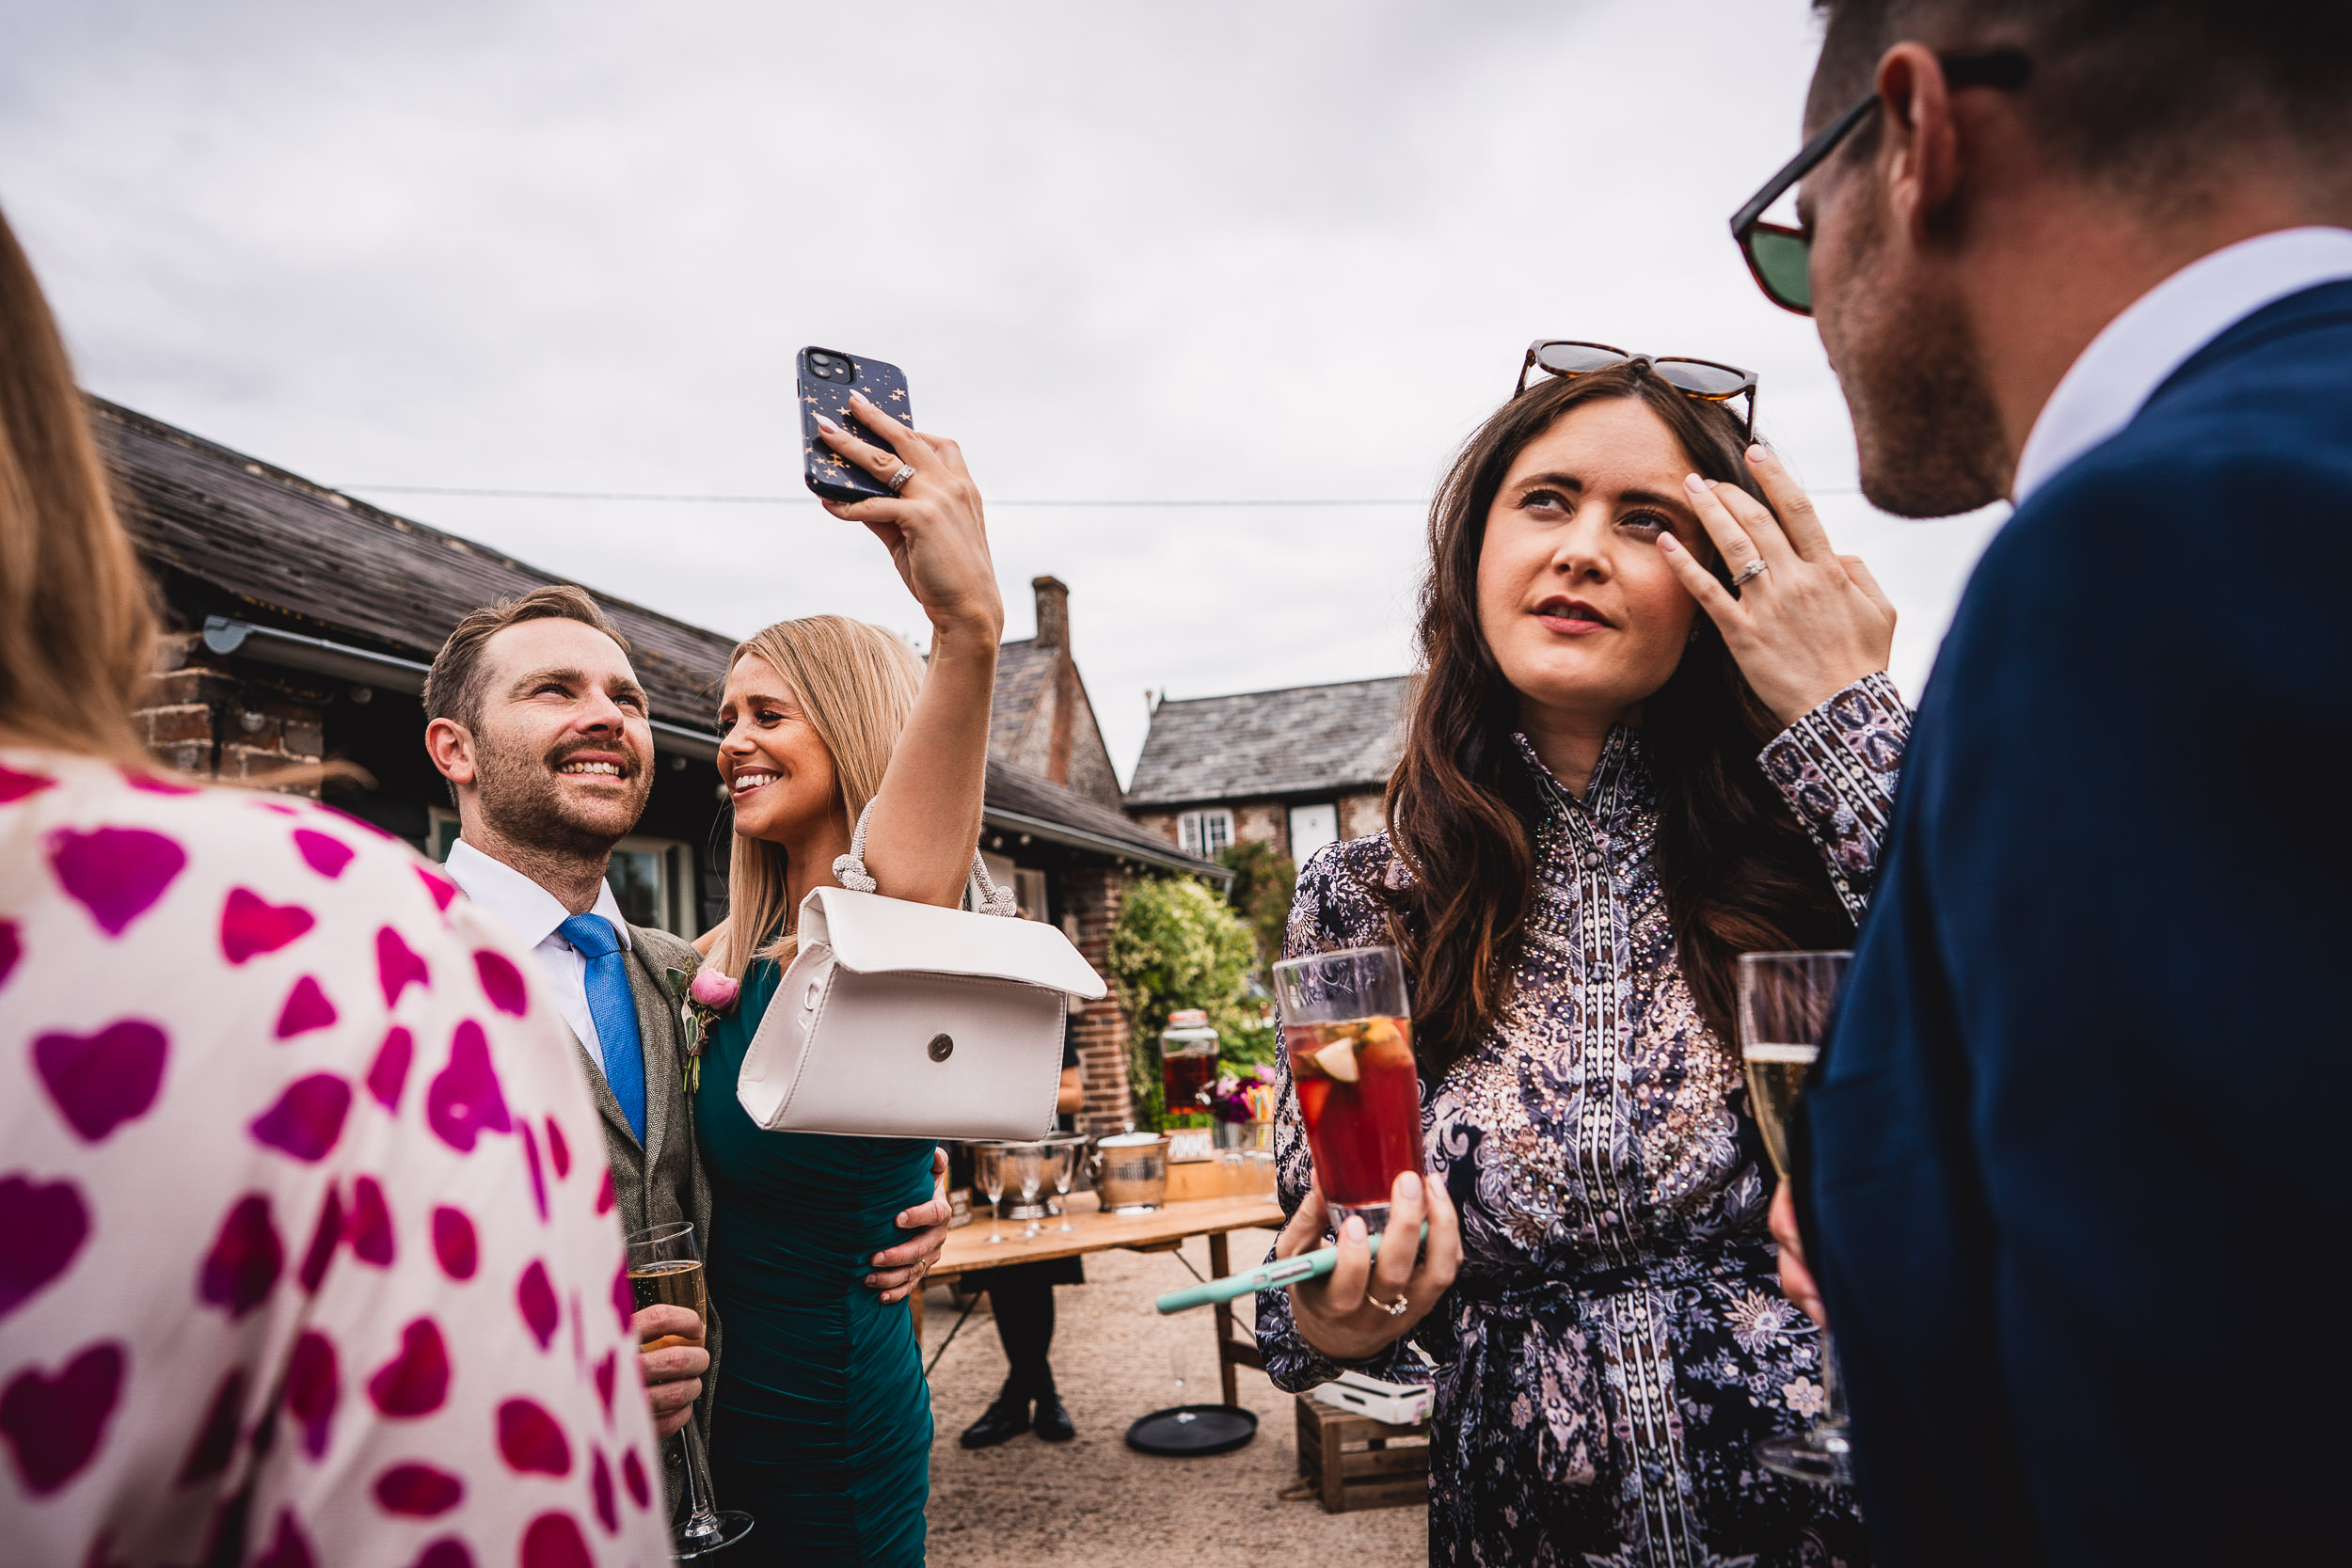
<point>1096,1501</point>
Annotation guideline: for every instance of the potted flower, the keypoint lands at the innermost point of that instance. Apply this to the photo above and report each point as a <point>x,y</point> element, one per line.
<point>1243,1104</point>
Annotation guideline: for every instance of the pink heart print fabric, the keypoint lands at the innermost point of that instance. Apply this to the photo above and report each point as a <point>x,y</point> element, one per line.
<point>307,1249</point>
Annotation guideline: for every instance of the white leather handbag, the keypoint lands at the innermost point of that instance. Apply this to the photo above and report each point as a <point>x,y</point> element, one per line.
<point>898,1019</point>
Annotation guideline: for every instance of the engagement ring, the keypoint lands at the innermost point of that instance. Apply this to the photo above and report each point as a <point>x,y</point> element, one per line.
<point>1394,1308</point>
<point>898,481</point>
<point>1751,569</point>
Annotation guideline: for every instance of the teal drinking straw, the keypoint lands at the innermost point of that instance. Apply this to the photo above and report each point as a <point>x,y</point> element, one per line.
<point>1283,1271</point>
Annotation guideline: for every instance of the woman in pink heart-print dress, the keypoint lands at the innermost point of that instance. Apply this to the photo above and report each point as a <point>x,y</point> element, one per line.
<point>308,1251</point>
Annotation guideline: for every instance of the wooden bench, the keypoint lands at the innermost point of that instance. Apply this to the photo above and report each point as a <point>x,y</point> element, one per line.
<point>1348,1462</point>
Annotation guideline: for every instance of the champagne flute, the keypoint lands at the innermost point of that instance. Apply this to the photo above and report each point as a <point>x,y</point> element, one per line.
<point>1028,1170</point>
<point>989,1166</point>
<point>665,1269</point>
<point>1785,1000</point>
<point>1065,1172</point>
<point>1180,1367</point>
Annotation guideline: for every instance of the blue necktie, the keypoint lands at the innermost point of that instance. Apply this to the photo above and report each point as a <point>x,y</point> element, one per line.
<point>613,1007</point>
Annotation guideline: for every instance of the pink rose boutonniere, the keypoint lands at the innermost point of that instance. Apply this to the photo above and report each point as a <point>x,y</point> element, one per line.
<point>703,998</point>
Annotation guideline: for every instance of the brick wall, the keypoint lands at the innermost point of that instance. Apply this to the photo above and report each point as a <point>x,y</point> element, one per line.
<point>1364,814</point>
<point>202,717</point>
<point>1091,896</point>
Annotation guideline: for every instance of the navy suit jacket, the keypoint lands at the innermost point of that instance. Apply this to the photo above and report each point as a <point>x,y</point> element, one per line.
<point>2076,1189</point>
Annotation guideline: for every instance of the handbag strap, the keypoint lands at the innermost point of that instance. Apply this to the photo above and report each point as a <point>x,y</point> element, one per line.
<point>849,870</point>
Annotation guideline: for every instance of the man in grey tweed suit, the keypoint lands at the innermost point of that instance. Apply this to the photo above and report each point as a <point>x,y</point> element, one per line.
<point>535,718</point>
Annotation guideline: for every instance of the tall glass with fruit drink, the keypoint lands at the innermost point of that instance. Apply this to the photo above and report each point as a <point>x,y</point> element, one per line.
<point>1348,1033</point>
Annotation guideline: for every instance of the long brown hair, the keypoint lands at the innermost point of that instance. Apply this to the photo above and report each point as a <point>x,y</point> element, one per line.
<point>856,684</point>
<point>78,628</point>
<point>1738,872</point>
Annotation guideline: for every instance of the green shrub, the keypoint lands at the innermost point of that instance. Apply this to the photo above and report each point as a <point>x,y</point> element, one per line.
<point>1263,882</point>
<point>1177,944</point>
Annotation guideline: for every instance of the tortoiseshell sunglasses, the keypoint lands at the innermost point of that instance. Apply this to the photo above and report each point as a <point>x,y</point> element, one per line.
<point>1703,379</point>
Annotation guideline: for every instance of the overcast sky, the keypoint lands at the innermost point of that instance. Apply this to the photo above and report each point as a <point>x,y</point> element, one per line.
<point>1122,250</point>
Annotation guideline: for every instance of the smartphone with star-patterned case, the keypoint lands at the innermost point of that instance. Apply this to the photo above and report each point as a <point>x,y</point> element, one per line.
<point>828,377</point>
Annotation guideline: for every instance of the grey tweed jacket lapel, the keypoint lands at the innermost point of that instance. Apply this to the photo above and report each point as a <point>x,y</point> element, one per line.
<point>669,1120</point>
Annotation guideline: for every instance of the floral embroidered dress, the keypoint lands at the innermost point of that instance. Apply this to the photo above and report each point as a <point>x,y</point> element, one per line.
<point>308,1251</point>
<point>1617,1339</point>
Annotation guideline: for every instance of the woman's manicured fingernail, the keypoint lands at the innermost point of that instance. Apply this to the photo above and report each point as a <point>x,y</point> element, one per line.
<point>1666,543</point>
<point>1408,1185</point>
<point>1696,485</point>
<point>825,424</point>
<point>1758,455</point>
<point>1353,1231</point>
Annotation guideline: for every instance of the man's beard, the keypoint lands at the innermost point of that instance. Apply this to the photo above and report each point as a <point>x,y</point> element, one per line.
<point>1928,433</point>
<point>524,805</point>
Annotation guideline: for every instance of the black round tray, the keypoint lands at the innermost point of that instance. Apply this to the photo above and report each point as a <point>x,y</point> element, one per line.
<point>1191,1430</point>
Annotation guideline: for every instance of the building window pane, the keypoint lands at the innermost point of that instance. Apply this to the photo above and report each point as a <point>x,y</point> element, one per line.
<point>1205,832</point>
<point>648,877</point>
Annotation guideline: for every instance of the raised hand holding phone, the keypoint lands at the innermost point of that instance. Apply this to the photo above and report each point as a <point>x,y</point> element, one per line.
<point>1366,1305</point>
<point>932,525</point>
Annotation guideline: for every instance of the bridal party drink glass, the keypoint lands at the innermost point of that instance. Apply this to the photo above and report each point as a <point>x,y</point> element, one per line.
<point>1784,1004</point>
<point>1349,1036</point>
<point>665,1269</point>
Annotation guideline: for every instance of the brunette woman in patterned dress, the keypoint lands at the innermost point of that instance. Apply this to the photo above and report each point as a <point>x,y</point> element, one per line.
<point>1620,772</point>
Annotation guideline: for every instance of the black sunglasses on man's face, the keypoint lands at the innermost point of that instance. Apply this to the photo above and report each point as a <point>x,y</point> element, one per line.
<point>1780,257</point>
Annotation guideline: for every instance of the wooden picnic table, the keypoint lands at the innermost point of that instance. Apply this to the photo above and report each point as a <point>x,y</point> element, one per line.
<point>969,1249</point>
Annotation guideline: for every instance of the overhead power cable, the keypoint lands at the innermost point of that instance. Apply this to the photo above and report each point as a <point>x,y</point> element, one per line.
<point>811,500</point>
<point>1114,502</point>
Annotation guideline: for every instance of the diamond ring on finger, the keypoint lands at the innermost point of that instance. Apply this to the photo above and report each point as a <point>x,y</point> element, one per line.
<point>898,481</point>
<point>1753,568</point>
<point>1394,1308</point>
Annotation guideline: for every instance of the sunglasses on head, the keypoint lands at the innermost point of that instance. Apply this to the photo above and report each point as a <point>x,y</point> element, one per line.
<point>1780,257</point>
<point>1703,379</point>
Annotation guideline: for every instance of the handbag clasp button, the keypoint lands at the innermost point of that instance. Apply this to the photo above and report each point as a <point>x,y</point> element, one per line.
<point>941,1047</point>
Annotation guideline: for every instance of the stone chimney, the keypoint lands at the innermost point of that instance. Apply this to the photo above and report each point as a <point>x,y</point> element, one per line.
<point>1052,613</point>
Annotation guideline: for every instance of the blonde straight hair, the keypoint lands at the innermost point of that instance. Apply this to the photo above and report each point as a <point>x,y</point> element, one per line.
<point>77,628</point>
<point>856,684</point>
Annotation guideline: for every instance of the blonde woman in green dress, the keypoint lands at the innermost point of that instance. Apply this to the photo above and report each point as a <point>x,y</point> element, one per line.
<point>822,1429</point>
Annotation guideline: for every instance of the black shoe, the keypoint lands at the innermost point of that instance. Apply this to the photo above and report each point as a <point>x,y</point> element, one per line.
<point>1005,1420</point>
<point>1053,1421</point>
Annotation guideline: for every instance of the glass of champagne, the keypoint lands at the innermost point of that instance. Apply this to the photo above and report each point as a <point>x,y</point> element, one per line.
<point>665,1269</point>
<point>987,1163</point>
<point>1065,1172</point>
<point>1349,1036</point>
<point>1785,1000</point>
<point>1028,1173</point>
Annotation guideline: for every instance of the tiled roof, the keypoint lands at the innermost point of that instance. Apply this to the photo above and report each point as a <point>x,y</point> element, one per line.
<point>1017,797</point>
<point>1302,740</point>
<point>347,570</point>
<point>351,573</point>
<point>1023,669</point>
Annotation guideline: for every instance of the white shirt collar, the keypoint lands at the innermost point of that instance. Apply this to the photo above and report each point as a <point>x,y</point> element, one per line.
<point>530,911</point>
<point>2156,335</point>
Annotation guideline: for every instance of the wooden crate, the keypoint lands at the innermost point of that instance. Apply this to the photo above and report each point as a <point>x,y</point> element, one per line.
<point>1353,1462</point>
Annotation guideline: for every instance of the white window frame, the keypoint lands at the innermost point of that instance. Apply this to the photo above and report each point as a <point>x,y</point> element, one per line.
<point>1205,832</point>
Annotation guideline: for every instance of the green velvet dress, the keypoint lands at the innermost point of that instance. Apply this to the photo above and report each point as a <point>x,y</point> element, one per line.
<point>822,1429</point>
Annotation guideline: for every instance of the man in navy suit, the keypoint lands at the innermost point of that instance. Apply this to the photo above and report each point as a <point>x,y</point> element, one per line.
<point>2076,1193</point>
